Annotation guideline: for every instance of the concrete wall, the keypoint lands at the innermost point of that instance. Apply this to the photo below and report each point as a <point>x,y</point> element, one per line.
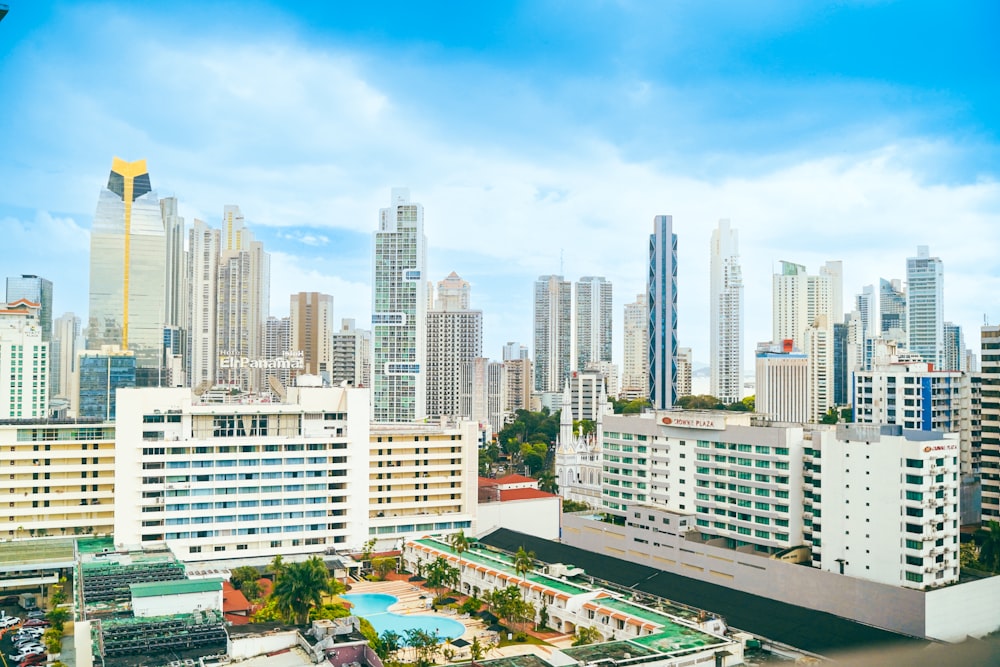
<point>541,514</point>
<point>183,603</point>
<point>970,609</point>
<point>880,605</point>
<point>254,645</point>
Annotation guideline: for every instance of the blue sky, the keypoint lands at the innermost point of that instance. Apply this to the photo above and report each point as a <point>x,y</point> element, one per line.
<point>535,134</point>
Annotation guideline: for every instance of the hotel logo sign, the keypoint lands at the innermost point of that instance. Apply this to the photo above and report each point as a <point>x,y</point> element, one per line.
<point>700,421</point>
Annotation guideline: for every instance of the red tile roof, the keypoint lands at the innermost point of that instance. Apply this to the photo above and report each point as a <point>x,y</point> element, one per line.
<point>234,601</point>
<point>515,479</point>
<point>524,494</point>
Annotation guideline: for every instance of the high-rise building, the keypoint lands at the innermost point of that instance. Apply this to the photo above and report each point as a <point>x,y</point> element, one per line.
<point>892,309</point>
<point>513,350</point>
<point>311,315</point>
<point>100,374</point>
<point>805,309</point>
<point>204,248</point>
<point>454,338</point>
<point>841,363</point>
<point>990,412</point>
<point>593,321</point>
<point>482,394</point>
<point>352,362</point>
<point>399,312</point>
<point>36,290</point>
<point>954,358</point>
<point>661,299</point>
<point>127,268</point>
<point>925,306</point>
<point>587,396</point>
<point>726,303</point>
<point>65,344</point>
<point>684,368</point>
<point>173,367</point>
<point>278,345</point>
<point>635,370</point>
<point>243,302</point>
<point>553,332</point>
<point>782,382</point>
<point>24,362</point>
<point>518,382</point>
<point>175,264</point>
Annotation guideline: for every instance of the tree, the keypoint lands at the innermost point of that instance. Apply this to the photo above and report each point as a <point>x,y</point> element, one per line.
<point>241,575</point>
<point>989,546</point>
<point>57,617</point>
<point>583,427</point>
<point>831,417</point>
<point>547,482</point>
<point>383,566</point>
<point>574,506</point>
<point>543,617</point>
<point>441,575</point>
<point>250,589</point>
<point>425,645</point>
<point>276,566</point>
<point>586,635</point>
<point>366,551</point>
<point>476,650</point>
<point>533,454</point>
<point>300,587</point>
<point>632,407</point>
<point>968,555</point>
<point>460,543</point>
<point>523,562</point>
<point>389,642</point>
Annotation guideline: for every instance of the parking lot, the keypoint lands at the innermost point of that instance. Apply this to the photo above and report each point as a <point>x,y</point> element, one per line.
<point>12,609</point>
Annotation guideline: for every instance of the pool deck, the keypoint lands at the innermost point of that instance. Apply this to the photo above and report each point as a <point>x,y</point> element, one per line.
<point>410,602</point>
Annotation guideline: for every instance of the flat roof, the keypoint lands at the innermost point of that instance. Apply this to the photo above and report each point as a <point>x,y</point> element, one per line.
<point>814,631</point>
<point>37,553</point>
<point>179,587</point>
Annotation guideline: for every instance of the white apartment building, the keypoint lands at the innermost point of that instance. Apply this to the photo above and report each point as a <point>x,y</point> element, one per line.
<point>635,372</point>
<point>242,480</point>
<point>726,320</point>
<point>399,312</point>
<point>421,478</point>
<point>24,362</point>
<point>66,341</point>
<point>59,478</point>
<point>782,378</point>
<point>352,355</point>
<point>553,311</point>
<point>925,306</point>
<point>882,504</point>
<point>517,385</point>
<point>684,371</point>
<point>741,482</point>
<point>990,464</point>
<point>204,247</point>
<point>454,338</point>
<point>817,343</point>
<point>592,311</point>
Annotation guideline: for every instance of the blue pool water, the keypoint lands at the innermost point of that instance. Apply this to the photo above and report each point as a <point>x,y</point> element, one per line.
<point>373,606</point>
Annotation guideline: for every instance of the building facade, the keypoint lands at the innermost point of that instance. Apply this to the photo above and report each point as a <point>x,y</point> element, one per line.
<point>204,249</point>
<point>100,374</point>
<point>36,290</point>
<point>782,382</point>
<point>990,420</point>
<point>553,311</point>
<point>454,339</point>
<point>635,367</point>
<point>352,361</point>
<point>592,307</point>
<point>661,300</point>
<point>925,306</point>
<point>311,316</point>
<point>65,344</point>
<point>24,362</point>
<point>726,317</point>
<point>399,312</point>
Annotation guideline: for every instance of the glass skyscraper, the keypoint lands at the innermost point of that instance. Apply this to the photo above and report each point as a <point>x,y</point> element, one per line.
<point>399,312</point>
<point>127,267</point>
<point>661,299</point>
<point>36,290</point>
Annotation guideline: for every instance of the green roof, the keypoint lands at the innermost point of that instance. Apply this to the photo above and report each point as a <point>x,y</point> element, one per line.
<point>154,588</point>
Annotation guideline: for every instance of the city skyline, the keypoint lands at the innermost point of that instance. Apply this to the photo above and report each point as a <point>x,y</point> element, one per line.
<point>570,183</point>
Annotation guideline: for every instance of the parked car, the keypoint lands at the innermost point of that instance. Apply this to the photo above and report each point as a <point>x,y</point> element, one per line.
<point>25,652</point>
<point>37,659</point>
<point>30,636</point>
<point>35,623</point>
<point>9,622</point>
<point>36,613</point>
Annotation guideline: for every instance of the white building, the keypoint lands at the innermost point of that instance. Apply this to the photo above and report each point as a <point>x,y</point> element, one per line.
<point>661,299</point>
<point>578,457</point>
<point>553,310</point>
<point>243,302</point>
<point>66,341</point>
<point>175,277</point>
<point>782,379</point>
<point>882,504</point>
<point>399,312</point>
<point>352,355</point>
<point>204,248</point>
<point>482,394</point>
<point>684,363</point>
<point>726,320</point>
<point>817,343</point>
<point>925,306</point>
<point>592,311</point>
<point>517,385</point>
<point>514,502</point>
<point>635,371</point>
<point>254,479</point>
<point>24,363</point>
<point>454,338</point>
<point>278,344</point>
<point>421,479</point>
<point>990,372</point>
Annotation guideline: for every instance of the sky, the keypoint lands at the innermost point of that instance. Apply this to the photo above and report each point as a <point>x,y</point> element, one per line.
<point>541,137</point>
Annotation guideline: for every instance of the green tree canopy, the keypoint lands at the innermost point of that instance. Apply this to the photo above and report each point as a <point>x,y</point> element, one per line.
<point>300,587</point>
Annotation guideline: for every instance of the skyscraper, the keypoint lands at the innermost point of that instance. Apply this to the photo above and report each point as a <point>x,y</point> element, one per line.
<point>204,246</point>
<point>36,290</point>
<point>892,309</point>
<point>352,360</point>
<point>277,344</point>
<point>454,339</point>
<point>990,413</point>
<point>399,312</point>
<point>635,371</point>
<point>593,321</point>
<point>953,358</point>
<point>925,306</point>
<point>127,268</point>
<point>684,370</point>
<point>661,299</point>
<point>243,301</point>
<point>175,264</point>
<point>553,332</point>
<point>311,316</point>
<point>63,351</point>
<point>782,382</point>
<point>726,302</point>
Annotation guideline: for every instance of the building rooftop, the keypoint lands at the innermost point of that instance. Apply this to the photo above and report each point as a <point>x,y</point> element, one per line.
<point>178,587</point>
<point>18,555</point>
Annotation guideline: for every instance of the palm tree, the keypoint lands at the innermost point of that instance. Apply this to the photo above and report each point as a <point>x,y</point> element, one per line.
<point>523,562</point>
<point>300,587</point>
<point>460,543</point>
<point>547,482</point>
<point>989,548</point>
<point>276,566</point>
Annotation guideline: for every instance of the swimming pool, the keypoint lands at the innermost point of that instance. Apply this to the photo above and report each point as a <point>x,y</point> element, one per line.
<point>373,606</point>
